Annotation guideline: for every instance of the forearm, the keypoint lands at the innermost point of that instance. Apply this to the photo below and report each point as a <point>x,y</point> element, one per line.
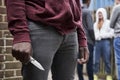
<point>17,22</point>
<point>81,37</point>
<point>113,17</point>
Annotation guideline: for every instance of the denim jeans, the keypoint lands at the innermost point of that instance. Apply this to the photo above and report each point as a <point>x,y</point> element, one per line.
<point>102,49</point>
<point>54,51</point>
<point>89,66</point>
<point>117,54</point>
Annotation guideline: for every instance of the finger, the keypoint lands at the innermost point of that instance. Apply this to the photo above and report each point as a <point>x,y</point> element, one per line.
<point>21,56</point>
<point>86,56</point>
<point>81,53</point>
<point>15,53</point>
<point>26,58</point>
<point>18,55</point>
<point>79,61</point>
<point>84,61</point>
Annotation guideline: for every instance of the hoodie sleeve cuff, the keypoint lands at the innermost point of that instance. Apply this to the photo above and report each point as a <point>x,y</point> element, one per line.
<point>82,43</point>
<point>21,37</point>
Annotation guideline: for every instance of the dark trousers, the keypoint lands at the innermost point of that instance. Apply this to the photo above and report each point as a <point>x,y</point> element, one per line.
<point>89,66</point>
<point>54,51</point>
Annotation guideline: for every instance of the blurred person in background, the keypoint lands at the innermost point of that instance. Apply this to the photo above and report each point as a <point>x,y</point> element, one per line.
<point>87,22</point>
<point>115,24</point>
<point>103,35</point>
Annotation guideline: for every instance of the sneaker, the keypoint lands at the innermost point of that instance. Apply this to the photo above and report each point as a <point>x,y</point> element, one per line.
<point>108,77</point>
<point>95,77</point>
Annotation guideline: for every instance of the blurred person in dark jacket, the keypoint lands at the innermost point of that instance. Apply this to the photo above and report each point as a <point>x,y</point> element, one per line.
<point>87,22</point>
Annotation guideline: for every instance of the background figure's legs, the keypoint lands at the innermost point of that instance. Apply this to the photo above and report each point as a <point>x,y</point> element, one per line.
<point>97,55</point>
<point>117,54</point>
<point>90,62</point>
<point>80,71</point>
<point>106,56</point>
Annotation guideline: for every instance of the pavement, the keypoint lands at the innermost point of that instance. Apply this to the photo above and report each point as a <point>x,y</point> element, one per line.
<point>76,77</point>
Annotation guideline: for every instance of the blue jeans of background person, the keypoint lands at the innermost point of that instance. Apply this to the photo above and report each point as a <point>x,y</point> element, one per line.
<point>54,51</point>
<point>89,66</point>
<point>117,54</point>
<point>102,49</point>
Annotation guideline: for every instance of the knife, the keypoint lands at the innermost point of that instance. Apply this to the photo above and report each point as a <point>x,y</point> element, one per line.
<point>36,63</point>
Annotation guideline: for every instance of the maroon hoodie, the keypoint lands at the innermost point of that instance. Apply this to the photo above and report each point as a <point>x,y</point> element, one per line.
<point>64,15</point>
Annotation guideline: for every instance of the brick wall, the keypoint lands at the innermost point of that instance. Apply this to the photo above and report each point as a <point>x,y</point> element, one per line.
<point>9,67</point>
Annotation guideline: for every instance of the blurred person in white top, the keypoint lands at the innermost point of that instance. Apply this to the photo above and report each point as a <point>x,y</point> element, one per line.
<point>103,35</point>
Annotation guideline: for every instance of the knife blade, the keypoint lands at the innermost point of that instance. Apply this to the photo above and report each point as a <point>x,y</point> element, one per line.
<point>36,63</point>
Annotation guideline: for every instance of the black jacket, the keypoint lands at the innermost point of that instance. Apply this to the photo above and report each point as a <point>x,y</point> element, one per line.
<point>87,22</point>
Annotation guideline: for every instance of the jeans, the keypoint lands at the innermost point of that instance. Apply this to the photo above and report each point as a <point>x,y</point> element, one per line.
<point>54,51</point>
<point>89,66</point>
<point>102,48</point>
<point>117,54</point>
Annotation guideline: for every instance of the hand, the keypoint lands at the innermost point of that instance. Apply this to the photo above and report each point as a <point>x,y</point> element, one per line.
<point>22,51</point>
<point>84,55</point>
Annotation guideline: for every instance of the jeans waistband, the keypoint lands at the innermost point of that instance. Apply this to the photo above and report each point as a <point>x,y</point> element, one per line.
<point>104,39</point>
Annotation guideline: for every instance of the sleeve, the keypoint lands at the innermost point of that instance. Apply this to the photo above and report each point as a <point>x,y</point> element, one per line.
<point>108,34</point>
<point>113,18</point>
<point>82,40</point>
<point>17,22</point>
<point>80,31</point>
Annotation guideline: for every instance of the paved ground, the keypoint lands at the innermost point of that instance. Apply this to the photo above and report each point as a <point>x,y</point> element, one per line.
<point>76,77</point>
